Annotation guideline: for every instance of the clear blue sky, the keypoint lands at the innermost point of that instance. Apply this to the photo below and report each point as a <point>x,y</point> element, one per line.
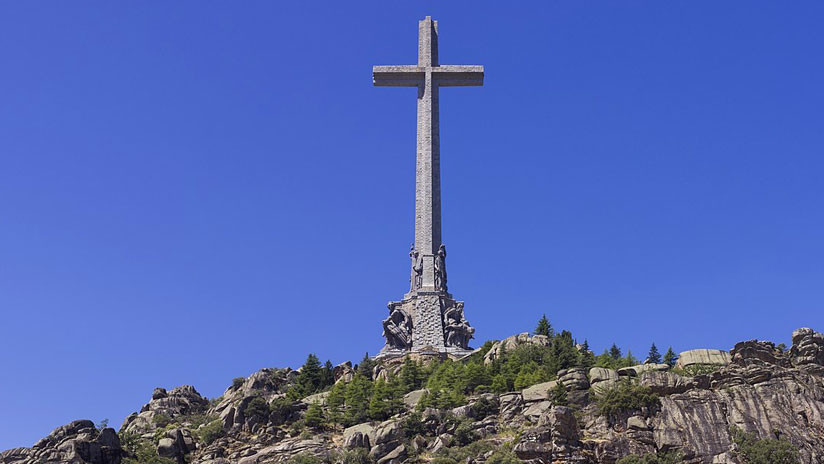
<point>191,191</point>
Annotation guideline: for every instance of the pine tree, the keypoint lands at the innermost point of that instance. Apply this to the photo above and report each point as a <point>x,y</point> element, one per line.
<point>328,375</point>
<point>558,395</point>
<point>563,351</point>
<point>357,397</point>
<point>384,401</point>
<point>499,384</point>
<point>475,374</point>
<point>544,327</point>
<point>670,357</point>
<point>654,356</point>
<point>335,403</point>
<point>586,358</point>
<point>615,352</point>
<point>366,367</point>
<point>629,359</point>
<point>310,378</point>
<point>314,416</point>
<point>410,375</point>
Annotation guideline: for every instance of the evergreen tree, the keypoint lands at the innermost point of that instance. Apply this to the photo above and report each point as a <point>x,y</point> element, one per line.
<point>670,357</point>
<point>380,407</point>
<point>475,374</point>
<point>410,375</point>
<point>499,384</point>
<point>654,356</point>
<point>629,360</point>
<point>605,360</point>
<point>366,367</point>
<point>335,402</point>
<point>563,351</point>
<point>310,378</point>
<point>314,416</point>
<point>544,327</point>
<point>328,375</point>
<point>529,375</point>
<point>586,358</point>
<point>615,352</point>
<point>357,397</point>
<point>558,395</point>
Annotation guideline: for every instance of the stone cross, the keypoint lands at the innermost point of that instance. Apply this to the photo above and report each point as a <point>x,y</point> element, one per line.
<point>428,76</point>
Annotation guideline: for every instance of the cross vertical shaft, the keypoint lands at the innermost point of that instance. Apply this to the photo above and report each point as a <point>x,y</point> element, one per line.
<point>428,76</point>
<point>428,164</point>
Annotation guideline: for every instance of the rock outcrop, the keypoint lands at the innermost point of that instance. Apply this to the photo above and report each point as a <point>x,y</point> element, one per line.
<point>79,442</point>
<point>756,387</point>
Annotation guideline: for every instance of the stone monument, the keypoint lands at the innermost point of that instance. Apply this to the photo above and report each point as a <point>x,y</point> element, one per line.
<point>428,319</point>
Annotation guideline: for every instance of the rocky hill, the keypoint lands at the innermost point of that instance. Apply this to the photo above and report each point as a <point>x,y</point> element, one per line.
<point>757,403</point>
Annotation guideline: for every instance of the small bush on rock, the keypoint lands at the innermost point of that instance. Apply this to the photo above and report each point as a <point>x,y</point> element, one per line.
<point>356,456</point>
<point>462,454</point>
<point>464,433</point>
<point>161,420</point>
<point>484,407</point>
<point>413,425</point>
<point>210,432</point>
<point>671,457</point>
<point>625,396</point>
<point>256,407</point>
<point>237,382</point>
<point>767,451</point>
<point>305,458</point>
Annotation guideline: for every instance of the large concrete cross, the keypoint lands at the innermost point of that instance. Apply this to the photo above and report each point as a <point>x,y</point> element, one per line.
<point>428,76</point>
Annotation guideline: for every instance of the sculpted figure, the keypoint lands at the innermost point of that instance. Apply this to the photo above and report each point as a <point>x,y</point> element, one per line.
<point>397,329</point>
<point>440,268</point>
<point>415,279</point>
<point>457,331</point>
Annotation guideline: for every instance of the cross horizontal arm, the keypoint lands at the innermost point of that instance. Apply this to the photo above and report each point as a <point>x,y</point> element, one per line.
<point>397,76</point>
<point>458,76</point>
<point>411,76</point>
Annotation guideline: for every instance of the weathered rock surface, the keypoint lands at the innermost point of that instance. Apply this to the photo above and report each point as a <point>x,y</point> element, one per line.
<point>703,356</point>
<point>76,443</point>
<point>179,401</point>
<point>510,343</point>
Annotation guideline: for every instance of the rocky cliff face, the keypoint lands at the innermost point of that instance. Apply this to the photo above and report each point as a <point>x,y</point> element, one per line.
<point>755,387</point>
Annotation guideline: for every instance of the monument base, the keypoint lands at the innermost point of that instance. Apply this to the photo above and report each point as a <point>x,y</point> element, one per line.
<point>437,327</point>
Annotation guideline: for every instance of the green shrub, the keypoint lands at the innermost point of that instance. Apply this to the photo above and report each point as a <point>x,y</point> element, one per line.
<point>464,433</point>
<point>305,458</point>
<point>413,425</point>
<point>161,420</point>
<point>503,456</point>
<point>625,396</point>
<point>210,432</point>
<point>460,454</point>
<point>356,456</point>
<point>558,395</point>
<point>483,408</point>
<point>140,451</point>
<point>237,382</point>
<point>256,407</point>
<point>442,460</point>
<point>766,451</point>
<point>671,457</point>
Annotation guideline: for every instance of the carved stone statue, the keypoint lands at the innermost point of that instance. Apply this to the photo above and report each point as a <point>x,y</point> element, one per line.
<point>397,329</point>
<point>440,268</point>
<point>416,279</point>
<point>457,331</point>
